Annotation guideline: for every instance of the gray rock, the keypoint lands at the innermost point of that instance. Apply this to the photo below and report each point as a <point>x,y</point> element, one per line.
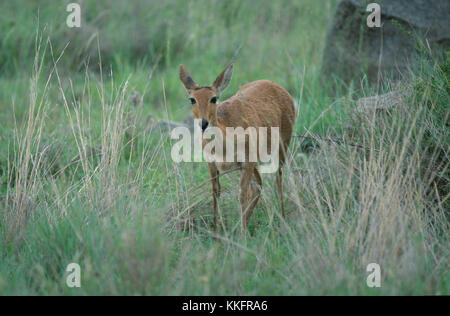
<point>353,49</point>
<point>165,126</point>
<point>189,121</point>
<point>136,99</point>
<point>383,102</point>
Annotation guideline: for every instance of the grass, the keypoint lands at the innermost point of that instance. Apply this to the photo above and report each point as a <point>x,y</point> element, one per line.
<point>84,179</point>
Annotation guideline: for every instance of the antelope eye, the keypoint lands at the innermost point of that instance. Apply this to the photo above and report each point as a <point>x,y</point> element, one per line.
<point>192,100</point>
<point>213,100</point>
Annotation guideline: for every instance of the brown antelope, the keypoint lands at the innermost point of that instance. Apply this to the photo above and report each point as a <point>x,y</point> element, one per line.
<point>260,103</point>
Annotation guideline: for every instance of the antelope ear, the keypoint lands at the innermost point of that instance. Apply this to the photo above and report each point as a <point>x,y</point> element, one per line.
<point>186,78</point>
<point>223,79</point>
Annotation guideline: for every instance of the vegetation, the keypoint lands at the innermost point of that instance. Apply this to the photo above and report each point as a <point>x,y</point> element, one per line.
<point>84,178</point>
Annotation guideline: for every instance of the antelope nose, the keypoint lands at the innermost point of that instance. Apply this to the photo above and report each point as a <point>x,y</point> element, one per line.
<point>205,124</point>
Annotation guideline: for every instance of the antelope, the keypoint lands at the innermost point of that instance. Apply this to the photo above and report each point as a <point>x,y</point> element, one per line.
<point>257,104</point>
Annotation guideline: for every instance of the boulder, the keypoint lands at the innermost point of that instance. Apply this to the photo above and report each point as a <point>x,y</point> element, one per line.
<point>353,49</point>
<point>165,126</point>
<point>383,102</point>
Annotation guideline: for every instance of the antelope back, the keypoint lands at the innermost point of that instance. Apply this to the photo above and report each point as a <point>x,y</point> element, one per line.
<point>260,103</point>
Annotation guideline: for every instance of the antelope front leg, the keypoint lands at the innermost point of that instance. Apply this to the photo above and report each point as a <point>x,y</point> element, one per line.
<point>280,190</point>
<point>214,173</point>
<point>255,189</point>
<point>247,202</point>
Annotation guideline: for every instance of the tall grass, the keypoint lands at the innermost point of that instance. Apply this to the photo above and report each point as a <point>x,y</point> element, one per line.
<point>348,206</point>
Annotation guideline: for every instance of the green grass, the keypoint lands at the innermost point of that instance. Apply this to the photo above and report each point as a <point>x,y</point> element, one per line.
<point>84,179</point>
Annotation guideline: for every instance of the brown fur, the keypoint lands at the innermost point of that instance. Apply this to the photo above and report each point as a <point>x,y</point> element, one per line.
<point>260,103</point>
